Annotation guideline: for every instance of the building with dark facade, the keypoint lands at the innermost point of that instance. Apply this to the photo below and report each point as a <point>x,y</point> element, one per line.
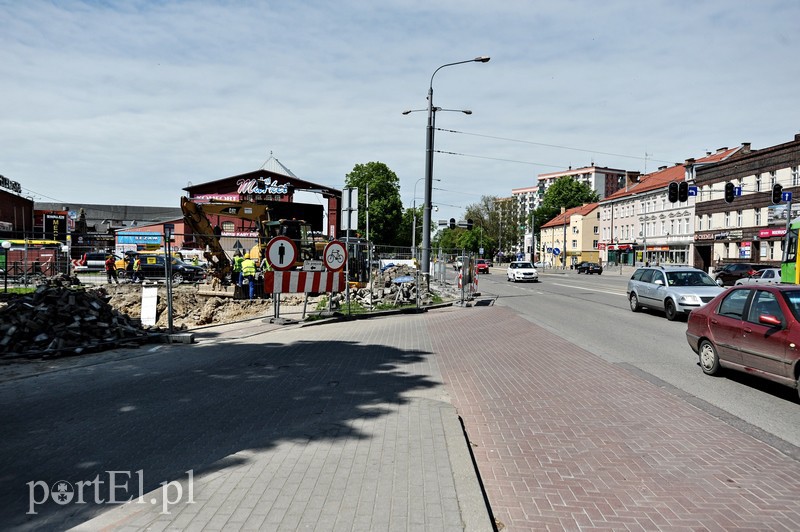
<point>750,228</point>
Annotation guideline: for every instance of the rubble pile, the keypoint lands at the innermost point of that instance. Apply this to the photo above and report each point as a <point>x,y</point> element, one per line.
<point>59,319</point>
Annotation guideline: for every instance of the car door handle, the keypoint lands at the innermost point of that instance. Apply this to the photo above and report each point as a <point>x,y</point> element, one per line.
<point>715,322</point>
<point>748,330</point>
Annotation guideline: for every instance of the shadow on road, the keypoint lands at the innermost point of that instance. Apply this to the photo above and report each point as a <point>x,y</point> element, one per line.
<point>184,408</point>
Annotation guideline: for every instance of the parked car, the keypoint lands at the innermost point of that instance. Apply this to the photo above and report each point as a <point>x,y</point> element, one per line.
<point>730,273</point>
<point>750,329</point>
<point>481,266</point>
<point>521,271</point>
<point>765,276</point>
<point>460,260</point>
<point>589,268</point>
<point>94,261</point>
<point>677,290</point>
<point>153,268</point>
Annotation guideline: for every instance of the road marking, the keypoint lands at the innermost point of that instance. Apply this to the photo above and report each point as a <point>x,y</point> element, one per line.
<point>592,289</point>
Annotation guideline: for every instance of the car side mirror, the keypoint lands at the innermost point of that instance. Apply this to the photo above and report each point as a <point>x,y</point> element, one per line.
<point>720,283</point>
<point>659,282</point>
<point>769,319</point>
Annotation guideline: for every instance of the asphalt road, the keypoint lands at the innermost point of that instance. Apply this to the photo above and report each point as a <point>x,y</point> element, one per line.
<point>593,312</point>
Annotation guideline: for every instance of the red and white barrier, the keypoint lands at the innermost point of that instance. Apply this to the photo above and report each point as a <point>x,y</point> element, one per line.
<point>303,282</point>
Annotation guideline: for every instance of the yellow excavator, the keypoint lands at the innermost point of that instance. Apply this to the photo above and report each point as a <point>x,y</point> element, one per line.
<point>309,245</point>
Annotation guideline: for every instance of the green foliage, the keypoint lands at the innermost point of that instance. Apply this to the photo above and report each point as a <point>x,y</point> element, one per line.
<point>385,205</point>
<point>565,192</point>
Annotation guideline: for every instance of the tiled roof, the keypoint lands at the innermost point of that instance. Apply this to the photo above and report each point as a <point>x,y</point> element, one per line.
<point>564,218</point>
<point>662,178</point>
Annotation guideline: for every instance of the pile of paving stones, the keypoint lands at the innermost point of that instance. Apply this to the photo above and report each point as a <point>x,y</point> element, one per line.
<point>61,319</point>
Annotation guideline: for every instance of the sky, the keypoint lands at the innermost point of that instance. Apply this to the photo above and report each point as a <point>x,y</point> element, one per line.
<point>122,102</point>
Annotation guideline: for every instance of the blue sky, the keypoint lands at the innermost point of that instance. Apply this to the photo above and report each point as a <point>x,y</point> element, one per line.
<point>128,102</point>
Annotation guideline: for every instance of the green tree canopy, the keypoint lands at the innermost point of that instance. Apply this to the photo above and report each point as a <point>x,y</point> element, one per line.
<point>565,192</point>
<point>385,205</point>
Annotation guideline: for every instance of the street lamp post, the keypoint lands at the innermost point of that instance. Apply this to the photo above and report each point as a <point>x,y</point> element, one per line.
<point>426,209</point>
<point>414,210</point>
<point>6,245</point>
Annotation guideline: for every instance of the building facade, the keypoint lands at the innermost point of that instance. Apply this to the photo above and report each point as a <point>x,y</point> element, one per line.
<point>750,228</point>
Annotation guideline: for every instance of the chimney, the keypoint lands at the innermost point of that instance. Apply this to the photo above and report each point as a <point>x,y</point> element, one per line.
<point>720,150</point>
<point>797,136</point>
<point>662,168</point>
<point>745,148</point>
<point>689,161</point>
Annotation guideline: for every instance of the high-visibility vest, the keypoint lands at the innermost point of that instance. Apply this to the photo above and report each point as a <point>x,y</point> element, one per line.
<point>248,267</point>
<point>237,264</point>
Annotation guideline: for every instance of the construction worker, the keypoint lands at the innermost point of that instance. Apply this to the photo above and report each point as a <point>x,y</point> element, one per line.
<point>249,273</point>
<point>237,268</point>
<point>111,269</point>
<point>137,269</point>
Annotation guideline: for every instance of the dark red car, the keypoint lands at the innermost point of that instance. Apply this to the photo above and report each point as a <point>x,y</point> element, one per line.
<point>750,328</point>
<point>481,266</point>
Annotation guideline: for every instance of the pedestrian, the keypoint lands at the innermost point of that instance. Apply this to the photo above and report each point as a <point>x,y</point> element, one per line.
<point>129,267</point>
<point>249,273</point>
<point>195,261</point>
<point>237,268</point>
<point>137,269</point>
<point>111,269</point>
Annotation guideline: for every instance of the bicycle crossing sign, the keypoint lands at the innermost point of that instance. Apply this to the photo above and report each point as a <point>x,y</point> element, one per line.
<point>335,256</point>
<point>281,253</point>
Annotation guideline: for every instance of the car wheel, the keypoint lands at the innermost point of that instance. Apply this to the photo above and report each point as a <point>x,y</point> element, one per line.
<point>709,360</point>
<point>177,278</point>
<point>670,310</point>
<point>634,301</point>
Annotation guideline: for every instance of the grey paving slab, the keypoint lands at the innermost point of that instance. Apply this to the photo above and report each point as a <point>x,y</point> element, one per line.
<point>342,428</point>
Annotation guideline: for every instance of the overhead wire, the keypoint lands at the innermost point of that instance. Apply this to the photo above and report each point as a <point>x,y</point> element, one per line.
<point>541,144</point>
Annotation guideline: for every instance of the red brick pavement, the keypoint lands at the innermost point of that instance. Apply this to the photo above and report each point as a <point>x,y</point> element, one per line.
<point>567,441</point>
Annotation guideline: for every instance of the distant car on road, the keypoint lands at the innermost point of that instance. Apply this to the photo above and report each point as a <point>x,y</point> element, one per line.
<point>589,268</point>
<point>751,329</point>
<point>677,290</point>
<point>521,271</point>
<point>481,266</point>
<point>765,276</point>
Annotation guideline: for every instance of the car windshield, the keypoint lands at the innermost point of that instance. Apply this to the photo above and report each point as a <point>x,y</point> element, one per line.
<point>521,265</point>
<point>689,279</point>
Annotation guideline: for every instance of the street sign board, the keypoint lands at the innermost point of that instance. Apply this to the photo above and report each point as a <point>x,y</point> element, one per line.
<point>556,251</point>
<point>737,191</point>
<point>313,266</point>
<point>693,190</point>
<point>786,196</point>
<point>335,256</point>
<point>281,253</point>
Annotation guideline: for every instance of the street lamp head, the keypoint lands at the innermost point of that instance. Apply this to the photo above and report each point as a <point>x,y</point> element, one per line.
<point>482,59</point>
<point>6,244</point>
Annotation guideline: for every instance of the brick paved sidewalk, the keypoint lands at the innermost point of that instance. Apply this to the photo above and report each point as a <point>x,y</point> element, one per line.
<point>567,441</point>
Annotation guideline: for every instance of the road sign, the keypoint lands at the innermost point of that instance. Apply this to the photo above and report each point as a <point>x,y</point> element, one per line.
<point>556,251</point>
<point>786,196</point>
<point>549,250</point>
<point>693,191</point>
<point>335,256</point>
<point>281,253</point>
<point>737,191</point>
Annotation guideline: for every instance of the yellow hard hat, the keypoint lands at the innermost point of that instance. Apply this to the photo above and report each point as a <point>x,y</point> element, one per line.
<point>247,255</point>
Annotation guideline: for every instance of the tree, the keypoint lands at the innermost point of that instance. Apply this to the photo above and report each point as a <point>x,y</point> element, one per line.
<point>385,205</point>
<point>565,192</point>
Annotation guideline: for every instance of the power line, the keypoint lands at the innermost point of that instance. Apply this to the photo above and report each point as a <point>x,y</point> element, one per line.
<point>551,146</point>
<point>499,159</point>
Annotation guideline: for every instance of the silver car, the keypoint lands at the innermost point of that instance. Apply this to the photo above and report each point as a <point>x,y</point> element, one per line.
<point>676,290</point>
<point>765,276</point>
<point>522,271</point>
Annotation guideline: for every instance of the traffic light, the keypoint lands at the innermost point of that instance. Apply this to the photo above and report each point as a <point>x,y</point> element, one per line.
<point>777,191</point>
<point>730,193</point>
<point>469,224</point>
<point>672,193</point>
<point>452,223</point>
<point>683,191</point>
